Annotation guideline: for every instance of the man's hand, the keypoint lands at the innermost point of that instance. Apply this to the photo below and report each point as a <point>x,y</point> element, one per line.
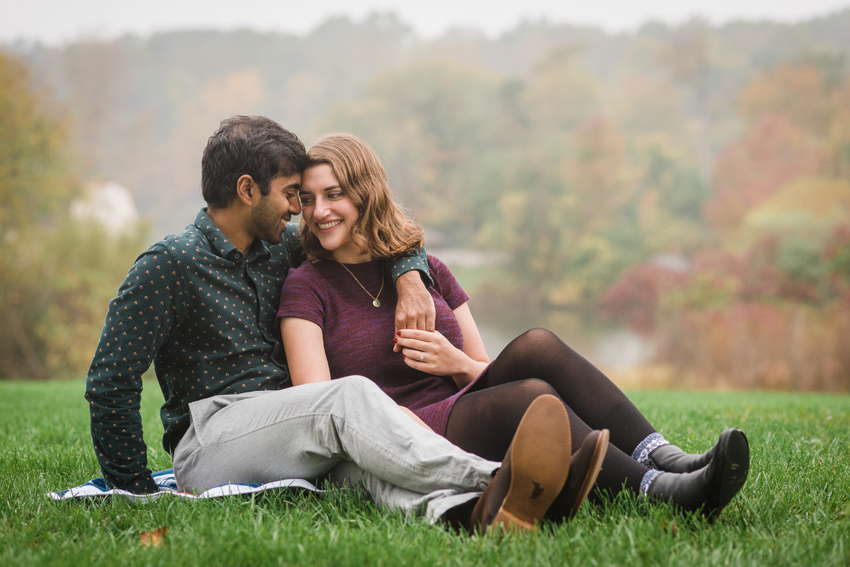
<point>415,309</point>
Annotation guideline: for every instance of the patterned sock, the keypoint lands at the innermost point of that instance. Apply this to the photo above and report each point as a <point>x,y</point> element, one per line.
<point>647,480</point>
<point>647,446</point>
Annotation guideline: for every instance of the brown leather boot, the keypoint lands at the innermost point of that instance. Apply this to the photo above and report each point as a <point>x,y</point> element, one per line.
<point>584,468</point>
<point>533,472</point>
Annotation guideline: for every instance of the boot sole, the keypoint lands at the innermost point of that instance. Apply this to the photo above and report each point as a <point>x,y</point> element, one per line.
<point>599,452</point>
<point>735,467</point>
<point>540,462</point>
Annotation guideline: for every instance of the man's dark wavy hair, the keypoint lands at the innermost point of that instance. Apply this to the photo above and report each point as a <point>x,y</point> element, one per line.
<point>248,145</point>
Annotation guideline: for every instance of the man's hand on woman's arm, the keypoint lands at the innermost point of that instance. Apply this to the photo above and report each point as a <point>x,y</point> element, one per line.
<point>415,307</point>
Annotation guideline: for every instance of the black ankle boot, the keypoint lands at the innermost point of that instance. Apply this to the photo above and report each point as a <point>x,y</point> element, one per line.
<point>712,487</point>
<point>670,458</point>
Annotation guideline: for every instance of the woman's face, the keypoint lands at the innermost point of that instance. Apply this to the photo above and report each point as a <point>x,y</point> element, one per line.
<point>330,214</point>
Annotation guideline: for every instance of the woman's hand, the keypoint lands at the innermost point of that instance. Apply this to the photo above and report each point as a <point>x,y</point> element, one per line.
<point>432,353</point>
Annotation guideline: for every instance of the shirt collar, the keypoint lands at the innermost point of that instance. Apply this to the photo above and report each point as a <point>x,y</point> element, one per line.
<point>222,245</point>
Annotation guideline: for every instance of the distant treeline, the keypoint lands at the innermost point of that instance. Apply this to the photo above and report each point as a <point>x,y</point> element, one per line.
<point>691,181</point>
<point>143,107</point>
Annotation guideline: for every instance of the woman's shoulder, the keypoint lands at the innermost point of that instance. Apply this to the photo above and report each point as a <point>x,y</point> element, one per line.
<point>436,265</point>
<point>440,271</point>
<point>303,273</point>
<point>306,276</point>
<point>445,282</point>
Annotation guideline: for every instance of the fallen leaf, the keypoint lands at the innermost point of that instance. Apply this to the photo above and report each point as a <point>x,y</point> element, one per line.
<point>154,538</point>
<point>672,528</point>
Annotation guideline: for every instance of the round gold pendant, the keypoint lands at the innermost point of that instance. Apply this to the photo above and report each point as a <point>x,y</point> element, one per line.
<point>376,303</point>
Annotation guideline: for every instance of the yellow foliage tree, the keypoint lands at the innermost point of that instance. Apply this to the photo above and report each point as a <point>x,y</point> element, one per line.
<point>56,274</point>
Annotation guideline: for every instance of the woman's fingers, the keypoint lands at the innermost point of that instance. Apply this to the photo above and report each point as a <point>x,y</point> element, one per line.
<point>425,336</point>
<point>424,350</point>
<point>419,339</point>
<point>413,344</point>
<point>416,354</point>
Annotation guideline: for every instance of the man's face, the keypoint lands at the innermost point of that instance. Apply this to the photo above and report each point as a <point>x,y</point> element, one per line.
<point>271,213</point>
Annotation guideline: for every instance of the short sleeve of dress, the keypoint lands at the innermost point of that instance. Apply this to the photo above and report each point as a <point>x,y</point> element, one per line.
<point>446,284</point>
<point>301,295</point>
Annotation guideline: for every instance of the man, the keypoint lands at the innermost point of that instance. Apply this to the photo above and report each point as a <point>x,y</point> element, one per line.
<point>202,305</point>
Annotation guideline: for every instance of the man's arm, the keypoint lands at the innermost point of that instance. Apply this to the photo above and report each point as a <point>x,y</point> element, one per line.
<point>148,305</point>
<point>415,308</point>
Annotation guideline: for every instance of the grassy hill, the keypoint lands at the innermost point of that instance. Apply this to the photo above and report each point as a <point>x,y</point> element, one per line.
<point>795,509</point>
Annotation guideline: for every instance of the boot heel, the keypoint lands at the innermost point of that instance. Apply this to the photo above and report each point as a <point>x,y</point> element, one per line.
<point>504,520</point>
<point>540,460</point>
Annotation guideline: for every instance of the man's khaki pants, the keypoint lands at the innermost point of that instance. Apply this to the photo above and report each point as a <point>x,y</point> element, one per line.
<point>345,429</point>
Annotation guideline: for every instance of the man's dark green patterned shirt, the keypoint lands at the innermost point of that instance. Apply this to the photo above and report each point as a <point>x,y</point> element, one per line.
<point>204,314</point>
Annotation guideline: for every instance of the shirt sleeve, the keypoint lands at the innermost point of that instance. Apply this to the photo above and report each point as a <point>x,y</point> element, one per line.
<point>446,283</point>
<point>417,261</point>
<point>302,297</point>
<point>148,306</point>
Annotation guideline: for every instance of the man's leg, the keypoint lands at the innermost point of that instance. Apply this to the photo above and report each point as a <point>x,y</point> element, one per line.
<point>303,432</point>
<point>432,505</point>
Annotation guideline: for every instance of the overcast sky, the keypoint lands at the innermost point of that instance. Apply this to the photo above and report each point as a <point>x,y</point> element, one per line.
<point>57,21</point>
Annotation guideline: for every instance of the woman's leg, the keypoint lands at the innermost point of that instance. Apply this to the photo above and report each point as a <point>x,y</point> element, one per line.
<point>539,353</point>
<point>483,422</point>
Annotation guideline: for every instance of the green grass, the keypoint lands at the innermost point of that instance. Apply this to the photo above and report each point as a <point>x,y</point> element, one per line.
<point>795,509</point>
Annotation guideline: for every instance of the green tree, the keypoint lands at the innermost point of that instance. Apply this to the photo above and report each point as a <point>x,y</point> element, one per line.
<point>430,124</point>
<point>56,274</point>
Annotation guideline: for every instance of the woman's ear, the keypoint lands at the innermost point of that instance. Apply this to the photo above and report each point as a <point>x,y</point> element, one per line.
<point>246,190</point>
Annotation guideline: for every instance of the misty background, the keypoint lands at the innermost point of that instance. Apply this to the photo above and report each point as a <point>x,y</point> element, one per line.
<point>671,197</point>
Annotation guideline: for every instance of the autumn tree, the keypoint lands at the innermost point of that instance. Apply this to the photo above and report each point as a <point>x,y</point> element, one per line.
<point>56,273</point>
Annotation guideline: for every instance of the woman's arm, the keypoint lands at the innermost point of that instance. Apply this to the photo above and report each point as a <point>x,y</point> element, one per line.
<point>306,357</point>
<point>473,346</point>
<point>440,357</point>
<point>305,351</point>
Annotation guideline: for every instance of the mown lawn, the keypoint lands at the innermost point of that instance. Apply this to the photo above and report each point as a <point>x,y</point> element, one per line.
<point>795,509</point>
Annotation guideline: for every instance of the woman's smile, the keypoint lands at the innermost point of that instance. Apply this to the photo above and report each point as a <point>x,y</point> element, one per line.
<point>326,226</point>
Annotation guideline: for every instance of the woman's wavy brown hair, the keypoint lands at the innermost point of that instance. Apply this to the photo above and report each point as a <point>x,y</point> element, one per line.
<point>382,229</point>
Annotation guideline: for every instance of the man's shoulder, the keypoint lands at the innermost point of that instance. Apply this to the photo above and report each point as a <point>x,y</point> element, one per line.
<point>191,236</point>
<point>177,245</point>
<point>163,252</point>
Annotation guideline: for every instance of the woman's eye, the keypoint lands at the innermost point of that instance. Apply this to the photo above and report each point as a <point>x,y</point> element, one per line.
<point>306,201</point>
<point>335,195</point>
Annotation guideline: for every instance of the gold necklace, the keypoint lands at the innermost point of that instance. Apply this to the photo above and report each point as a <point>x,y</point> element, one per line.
<point>375,300</point>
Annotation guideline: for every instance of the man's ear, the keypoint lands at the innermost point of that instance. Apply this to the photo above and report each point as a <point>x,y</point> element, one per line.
<point>246,190</point>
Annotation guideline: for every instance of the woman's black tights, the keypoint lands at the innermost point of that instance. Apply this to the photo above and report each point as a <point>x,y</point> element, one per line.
<point>537,362</point>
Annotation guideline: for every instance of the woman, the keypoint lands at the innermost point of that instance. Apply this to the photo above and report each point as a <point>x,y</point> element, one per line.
<point>337,320</point>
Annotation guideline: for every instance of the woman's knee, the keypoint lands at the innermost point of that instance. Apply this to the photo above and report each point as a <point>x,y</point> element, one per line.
<point>532,388</point>
<point>539,335</point>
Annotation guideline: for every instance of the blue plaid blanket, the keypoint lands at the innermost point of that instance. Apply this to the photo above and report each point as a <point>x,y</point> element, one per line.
<point>168,486</point>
